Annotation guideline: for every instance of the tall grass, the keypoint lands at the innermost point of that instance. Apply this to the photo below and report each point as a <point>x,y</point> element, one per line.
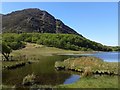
<point>89,64</point>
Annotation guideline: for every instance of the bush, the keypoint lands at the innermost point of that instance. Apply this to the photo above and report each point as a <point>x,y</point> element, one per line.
<point>16,45</point>
<point>29,39</point>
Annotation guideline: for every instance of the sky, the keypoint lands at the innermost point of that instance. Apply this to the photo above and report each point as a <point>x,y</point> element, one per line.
<point>97,21</point>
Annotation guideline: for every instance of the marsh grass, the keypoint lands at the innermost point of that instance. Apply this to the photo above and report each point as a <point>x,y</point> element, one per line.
<point>32,49</point>
<point>89,64</point>
<point>34,53</point>
<point>87,72</point>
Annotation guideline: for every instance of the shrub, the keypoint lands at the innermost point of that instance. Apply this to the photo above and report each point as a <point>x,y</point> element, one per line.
<point>29,39</point>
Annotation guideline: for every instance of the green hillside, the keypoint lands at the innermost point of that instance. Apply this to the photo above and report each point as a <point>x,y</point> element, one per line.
<point>63,41</point>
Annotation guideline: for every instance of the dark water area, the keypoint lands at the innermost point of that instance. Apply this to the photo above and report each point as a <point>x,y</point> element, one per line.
<point>46,73</point>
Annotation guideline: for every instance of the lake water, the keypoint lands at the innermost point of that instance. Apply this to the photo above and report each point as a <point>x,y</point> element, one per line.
<point>106,56</point>
<point>46,73</point>
<point>73,78</point>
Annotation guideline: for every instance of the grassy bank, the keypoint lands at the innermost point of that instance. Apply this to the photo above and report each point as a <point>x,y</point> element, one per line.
<point>14,65</point>
<point>94,82</point>
<point>86,82</point>
<point>94,72</point>
<point>88,64</point>
<point>34,52</point>
<point>35,49</point>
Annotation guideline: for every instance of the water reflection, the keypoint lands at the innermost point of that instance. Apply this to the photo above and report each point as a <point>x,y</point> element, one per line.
<point>73,78</point>
<point>44,71</point>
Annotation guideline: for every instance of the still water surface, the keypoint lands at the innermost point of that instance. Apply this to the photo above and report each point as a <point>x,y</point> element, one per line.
<point>106,56</point>
<point>45,72</point>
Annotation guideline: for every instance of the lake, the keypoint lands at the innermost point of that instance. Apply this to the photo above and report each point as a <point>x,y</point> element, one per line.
<point>106,56</point>
<point>46,73</point>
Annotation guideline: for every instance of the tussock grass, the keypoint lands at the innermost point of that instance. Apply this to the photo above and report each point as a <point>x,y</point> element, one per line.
<point>89,64</point>
<point>87,72</point>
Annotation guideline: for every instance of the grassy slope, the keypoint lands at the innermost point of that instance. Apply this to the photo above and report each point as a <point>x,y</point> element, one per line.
<point>94,82</point>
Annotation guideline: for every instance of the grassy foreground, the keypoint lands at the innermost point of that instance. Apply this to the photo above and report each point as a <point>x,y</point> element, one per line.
<point>94,82</point>
<point>84,82</point>
<point>95,73</point>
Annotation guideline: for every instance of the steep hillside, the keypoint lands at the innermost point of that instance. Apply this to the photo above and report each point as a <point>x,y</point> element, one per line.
<point>34,20</point>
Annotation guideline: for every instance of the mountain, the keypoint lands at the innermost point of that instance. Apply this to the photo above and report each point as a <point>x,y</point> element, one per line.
<point>34,20</point>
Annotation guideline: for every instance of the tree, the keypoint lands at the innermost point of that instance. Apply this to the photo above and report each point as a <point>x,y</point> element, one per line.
<point>6,50</point>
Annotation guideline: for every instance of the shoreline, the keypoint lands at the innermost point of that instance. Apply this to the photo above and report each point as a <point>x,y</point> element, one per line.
<point>46,51</point>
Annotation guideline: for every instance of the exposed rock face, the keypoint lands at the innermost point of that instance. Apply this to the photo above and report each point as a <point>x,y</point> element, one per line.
<point>34,20</point>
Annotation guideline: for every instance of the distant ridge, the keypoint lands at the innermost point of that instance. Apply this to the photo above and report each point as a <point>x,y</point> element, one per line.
<point>34,20</point>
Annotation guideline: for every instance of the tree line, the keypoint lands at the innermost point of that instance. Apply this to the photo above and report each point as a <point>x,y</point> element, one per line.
<point>64,41</point>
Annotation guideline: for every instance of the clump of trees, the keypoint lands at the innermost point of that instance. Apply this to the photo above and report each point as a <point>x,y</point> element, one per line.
<point>116,48</point>
<point>13,41</point>
<point>63,41</point>
<point>10,42</point>
<point>6,50</point>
